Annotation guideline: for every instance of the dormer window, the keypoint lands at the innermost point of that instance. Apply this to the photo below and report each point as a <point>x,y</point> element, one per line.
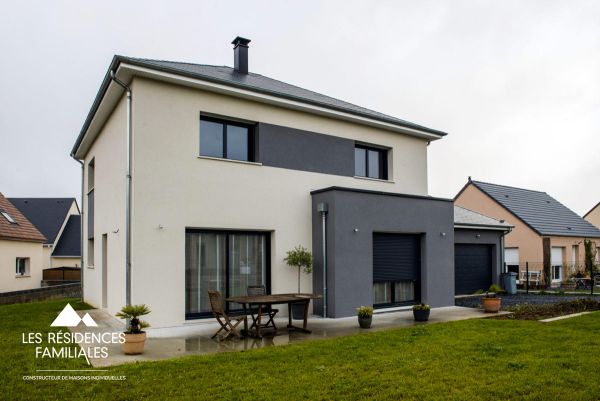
<point>8,217</point>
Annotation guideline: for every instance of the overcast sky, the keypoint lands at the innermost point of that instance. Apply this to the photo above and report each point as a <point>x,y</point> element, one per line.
<point>516,84</point>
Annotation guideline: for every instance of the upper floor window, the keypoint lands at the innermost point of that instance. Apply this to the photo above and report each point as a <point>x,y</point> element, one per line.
<point>370,162</point>
<point>91,174</point>
<point>226,139</point>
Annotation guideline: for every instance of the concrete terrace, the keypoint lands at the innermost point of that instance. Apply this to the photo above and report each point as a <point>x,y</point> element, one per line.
<point>194,339</point>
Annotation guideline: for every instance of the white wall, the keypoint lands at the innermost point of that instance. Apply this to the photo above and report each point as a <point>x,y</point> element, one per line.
<point>9,252</point>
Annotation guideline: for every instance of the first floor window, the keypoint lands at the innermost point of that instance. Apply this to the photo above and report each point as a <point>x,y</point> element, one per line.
<point>22,267</point>
<point>226,139</point>
<point>370,162</point>
<point>556,273</point>
<point>393,292</point>
<point>90,253</point>
<point>224,261</point>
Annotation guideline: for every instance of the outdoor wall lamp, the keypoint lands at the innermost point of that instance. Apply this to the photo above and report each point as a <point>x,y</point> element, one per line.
<point>355,230</point>
<point>443,234</point>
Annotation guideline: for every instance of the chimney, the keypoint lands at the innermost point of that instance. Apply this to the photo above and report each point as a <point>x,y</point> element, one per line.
<point>240,54</point>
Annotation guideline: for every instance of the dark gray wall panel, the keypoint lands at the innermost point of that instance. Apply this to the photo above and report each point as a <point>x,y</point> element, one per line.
<point>304,150</point>
<point>350,252</point>
<point>488,237</point>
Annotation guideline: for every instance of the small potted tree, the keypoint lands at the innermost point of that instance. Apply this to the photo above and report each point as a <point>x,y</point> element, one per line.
<point>365,316</point>
<point>135,336</point>
<point>421,312</point>
<point>299,258</point>
<point>491,301</point>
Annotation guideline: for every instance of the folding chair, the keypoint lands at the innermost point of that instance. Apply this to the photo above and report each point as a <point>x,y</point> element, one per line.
<point>267,310</point>
<point>228,322</point>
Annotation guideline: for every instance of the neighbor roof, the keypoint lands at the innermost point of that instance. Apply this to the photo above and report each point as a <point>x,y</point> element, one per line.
<point>254,82</point>
<point>69,243</point>
<point>46,214</point>
<point>539,211</point>
<point>469,218</point>
<point>21,229</point>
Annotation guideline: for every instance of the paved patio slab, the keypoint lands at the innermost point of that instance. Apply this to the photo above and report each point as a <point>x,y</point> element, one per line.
<point>194,338</point>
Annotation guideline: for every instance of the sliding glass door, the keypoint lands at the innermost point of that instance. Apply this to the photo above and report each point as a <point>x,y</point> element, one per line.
<point>223,261</point>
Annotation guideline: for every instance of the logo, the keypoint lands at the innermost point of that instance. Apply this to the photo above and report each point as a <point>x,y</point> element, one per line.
<point>69,318</point>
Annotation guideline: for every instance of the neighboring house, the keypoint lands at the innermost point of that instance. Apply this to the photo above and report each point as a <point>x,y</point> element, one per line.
<point>20,250</point>
<point>478,250</point>
<point>593,216</point>
<point>545,231</point>
<point>206,175</point>
<point>59,221</point>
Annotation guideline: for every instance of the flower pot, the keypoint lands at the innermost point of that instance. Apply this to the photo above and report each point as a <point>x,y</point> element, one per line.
<point>365,322</point>
<point>491,305</point>
<point>421,315</point>
<point>134,343</point>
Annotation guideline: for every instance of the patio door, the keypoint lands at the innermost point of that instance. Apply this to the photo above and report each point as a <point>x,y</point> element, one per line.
<point>223,261</point>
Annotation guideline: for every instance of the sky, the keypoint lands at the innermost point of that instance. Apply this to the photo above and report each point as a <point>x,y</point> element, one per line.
<point>516,84</point>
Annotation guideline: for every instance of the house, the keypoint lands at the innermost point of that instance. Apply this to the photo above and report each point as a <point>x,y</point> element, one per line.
<point>201,177</point>
<point>593,216</point>
<point>545,233</point>
<point>21,250</point>
<point>59,221</point>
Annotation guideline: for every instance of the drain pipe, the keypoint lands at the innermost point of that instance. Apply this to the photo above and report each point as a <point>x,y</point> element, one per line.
<point>81,213</point>
<point>323,209</point>
<point>128,192</point>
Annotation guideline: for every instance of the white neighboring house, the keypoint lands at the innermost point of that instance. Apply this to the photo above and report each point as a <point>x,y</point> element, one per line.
<point>59,220</point>
<point>204,176</point>
<point>21,249</point>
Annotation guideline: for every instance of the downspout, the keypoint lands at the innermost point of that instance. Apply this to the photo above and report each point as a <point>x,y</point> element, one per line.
<point>128,191</point>
<point>322,208</point>
<point>81,224</point>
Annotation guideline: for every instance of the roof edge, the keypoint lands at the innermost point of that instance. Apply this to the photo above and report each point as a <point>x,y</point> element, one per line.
<point>375,192</point>
<point>591,210</point>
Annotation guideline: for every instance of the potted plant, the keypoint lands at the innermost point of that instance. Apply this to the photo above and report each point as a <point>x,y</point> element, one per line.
<point>365,316</point>
<point>135,336</point>
<point>299,258</point>
<point>421,312</point>
<point>491,301</point>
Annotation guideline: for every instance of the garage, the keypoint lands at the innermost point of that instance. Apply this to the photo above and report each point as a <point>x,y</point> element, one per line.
<point>478,251</point>
<point>472,268</point>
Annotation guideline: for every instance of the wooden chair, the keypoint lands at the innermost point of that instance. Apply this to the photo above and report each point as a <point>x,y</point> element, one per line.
<point>267,310</point>
<point>228,322</point>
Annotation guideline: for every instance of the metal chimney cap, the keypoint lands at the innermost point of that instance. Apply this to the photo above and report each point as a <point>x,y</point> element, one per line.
<point>322,207</point>
<point>239,41</point>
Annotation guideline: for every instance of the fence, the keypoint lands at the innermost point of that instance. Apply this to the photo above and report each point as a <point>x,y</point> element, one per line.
<point>62,274</point>
<point>567,276</point>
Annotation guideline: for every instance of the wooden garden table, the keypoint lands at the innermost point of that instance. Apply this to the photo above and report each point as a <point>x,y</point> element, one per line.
<point>260,301</point>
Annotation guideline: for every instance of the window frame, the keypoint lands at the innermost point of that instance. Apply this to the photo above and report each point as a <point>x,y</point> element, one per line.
<point>251,127</point>
<point>383,161</point>
<point>25,272</point>
<point>227,234</point>
<point>8,217</point>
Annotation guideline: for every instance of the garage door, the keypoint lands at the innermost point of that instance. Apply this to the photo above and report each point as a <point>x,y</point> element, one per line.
<point>472,268</point>
<point>396,269</point>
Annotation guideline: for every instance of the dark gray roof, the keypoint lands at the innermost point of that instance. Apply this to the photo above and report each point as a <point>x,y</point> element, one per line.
<point>69,243</point>
<point>251,81</point>
<point>46,214</point>
<point>540,211</point>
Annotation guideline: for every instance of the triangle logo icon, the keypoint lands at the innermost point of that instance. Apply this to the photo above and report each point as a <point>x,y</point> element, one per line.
<point>88,321</point>
<point>67,318</point>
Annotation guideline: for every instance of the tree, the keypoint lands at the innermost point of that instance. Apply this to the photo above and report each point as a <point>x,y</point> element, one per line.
<point>300,258</point>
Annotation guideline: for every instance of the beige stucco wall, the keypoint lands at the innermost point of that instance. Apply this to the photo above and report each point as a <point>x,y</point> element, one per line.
<point>109,193</point>
<point>9,252</point>
<point>66,262</point>
<point>175,189</point>
<point>522,237</point>
<point>594,216</point>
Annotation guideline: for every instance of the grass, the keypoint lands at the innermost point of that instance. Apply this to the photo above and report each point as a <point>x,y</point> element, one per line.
<point>482,359</point>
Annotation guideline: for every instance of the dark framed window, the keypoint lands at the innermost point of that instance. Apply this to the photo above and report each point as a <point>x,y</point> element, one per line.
<point>22,267</point>
<point>225,261</point>
<point>226,139</point>
<point>370,162</point>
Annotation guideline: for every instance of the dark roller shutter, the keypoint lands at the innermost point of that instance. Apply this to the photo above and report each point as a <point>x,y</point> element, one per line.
<point>396,257</point>
<point>472,268</point>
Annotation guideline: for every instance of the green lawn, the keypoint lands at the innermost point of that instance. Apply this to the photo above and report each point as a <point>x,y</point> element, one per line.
<point>469,360</point>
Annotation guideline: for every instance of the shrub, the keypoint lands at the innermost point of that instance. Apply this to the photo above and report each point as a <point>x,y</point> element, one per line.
<point>421,306</point>
<point>133,312</point>
<point>364,311</point>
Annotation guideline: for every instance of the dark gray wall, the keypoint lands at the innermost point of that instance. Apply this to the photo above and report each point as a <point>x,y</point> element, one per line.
<point>487,237</point>
<point>304,150</point>
<point>350,253</point>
